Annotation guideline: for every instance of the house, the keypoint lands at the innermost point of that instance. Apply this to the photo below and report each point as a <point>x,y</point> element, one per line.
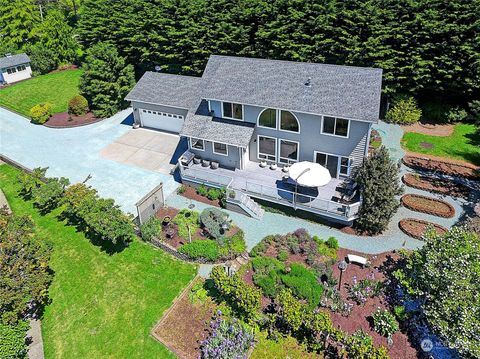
<point>248,119</point>
<point>14,68</point>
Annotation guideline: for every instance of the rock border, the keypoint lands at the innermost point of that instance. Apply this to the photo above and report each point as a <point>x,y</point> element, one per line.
<point>440,229</point>
<point>431,210</point>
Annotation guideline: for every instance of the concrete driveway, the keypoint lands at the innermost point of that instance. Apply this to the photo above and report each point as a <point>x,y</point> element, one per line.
<point>76,153</point>
<point>148,149</point>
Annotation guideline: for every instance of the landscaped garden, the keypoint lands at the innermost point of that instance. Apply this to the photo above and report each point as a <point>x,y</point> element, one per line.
<point>436,185</point>
<point>101,304</point>
<point>428,205</point>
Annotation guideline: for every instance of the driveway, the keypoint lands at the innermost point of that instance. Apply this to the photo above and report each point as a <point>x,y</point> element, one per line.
<point>76,153</point>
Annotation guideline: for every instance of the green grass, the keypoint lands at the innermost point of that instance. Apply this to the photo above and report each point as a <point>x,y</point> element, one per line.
<point>463,144</point>
<point>102,306</point>
<point>57,88</point>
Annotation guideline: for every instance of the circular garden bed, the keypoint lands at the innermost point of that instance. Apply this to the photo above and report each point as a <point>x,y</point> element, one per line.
<point>436,185</point>
<point>428,205</point>
<point>416,228</point>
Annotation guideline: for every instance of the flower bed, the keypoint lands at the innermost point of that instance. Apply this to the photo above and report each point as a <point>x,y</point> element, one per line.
<point>428,205</point>
<point>416,227</point>
<point>208,195</point>
<point>435,185</point>
<point>449,168</point>
<point>66,120</point>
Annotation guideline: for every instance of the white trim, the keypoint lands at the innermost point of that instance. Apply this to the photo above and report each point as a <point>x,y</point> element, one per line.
<point>279,116</point>
<point>218,153</point>
<point>289,161</point>
<point>335,127</point>
<point>209,106</point>
<point>208,140</point>
<point>233,118</point>
<point>194,148</point>
<point>339,157</point>
<point>258,148</point>
<point>298,111</point>
<point>156,104</point>
<point>276,119</point>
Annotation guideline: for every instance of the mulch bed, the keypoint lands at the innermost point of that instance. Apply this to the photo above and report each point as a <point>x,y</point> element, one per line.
<point>191,193</point>
<point>428,205</point>
<point>449,168</point>
<point>435,185</point>
<point>416,228</point>
<point>66,120</point>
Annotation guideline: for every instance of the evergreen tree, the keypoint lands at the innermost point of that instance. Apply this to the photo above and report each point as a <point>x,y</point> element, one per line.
<point>18,19</point>
<point>106,79</point>
<point>378,180</point>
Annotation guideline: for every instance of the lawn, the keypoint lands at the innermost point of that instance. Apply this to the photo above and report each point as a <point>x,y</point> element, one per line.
<point>102,306</point>
<point>57,88</point>
<point>462,144</point>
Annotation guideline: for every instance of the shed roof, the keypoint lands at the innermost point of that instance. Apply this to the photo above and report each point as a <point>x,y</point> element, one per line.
<point>14,60</point>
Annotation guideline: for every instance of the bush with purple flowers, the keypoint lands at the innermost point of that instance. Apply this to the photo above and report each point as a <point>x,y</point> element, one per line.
<point>229,339</point>
<point>361,290</point>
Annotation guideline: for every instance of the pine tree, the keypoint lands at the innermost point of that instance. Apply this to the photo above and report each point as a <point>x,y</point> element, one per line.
<point>18,19</point>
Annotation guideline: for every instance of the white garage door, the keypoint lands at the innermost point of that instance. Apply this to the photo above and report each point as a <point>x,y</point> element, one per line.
<point>161,120</point>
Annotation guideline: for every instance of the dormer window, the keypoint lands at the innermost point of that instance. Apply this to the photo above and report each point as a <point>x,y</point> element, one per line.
<point>232,111</point>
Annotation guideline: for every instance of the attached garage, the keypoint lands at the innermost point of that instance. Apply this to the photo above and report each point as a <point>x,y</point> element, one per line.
<point>164,121</point>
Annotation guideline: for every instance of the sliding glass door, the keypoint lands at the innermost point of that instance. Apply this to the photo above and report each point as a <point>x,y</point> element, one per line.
<point>335,164</point>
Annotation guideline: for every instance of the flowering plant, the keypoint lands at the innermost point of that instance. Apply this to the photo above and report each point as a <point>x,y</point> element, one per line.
<point>384,323</point>
<point>229,339</point>
<point>361,290</point>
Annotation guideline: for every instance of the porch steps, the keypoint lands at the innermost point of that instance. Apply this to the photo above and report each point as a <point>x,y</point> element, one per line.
<point>249,205</point>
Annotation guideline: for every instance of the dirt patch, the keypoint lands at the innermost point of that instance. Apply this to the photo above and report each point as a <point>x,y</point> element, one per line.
<point>185,325</point>
<point>428,205</point>
<point>430,129</point>
<point>191,193</point>
<point>426,145</point>
<point>65,120</point>
<point>435,185</point>
<point>447,167</point>
<point>416,228</point>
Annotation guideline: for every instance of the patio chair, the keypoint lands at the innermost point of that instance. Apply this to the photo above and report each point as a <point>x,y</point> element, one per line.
<point>214,165</point>
<point>349,197</point>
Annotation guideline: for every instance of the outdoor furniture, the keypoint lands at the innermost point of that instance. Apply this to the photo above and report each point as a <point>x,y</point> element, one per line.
<point>214,165</point>
<point>309,174</point>
<point>273,166</point>
<point>186,158</point>
<point>205,163</point>
<point>263,164</point>
<point>197,160</point>
<point>352,258</point>
<point>348,197</point>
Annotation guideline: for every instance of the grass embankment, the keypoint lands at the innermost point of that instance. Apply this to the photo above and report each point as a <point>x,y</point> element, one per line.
<point>56,87</point>
<point>102,306</point>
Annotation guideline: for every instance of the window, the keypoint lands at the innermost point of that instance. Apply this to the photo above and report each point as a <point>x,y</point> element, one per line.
<point>335,126</point>
<point>267,148</point>
<point>220,148</point>
<point>21,68</point>
<point>268,118</point>
<point>335,164</point>
<point>288,122</point>
<point>345,165</point>
<point>233,111</point>
<point>11,70</point>
<point>288,152</point>
<point>197,144</point>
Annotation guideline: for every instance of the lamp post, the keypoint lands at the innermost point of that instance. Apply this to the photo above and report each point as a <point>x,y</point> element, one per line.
<point>342,266</point>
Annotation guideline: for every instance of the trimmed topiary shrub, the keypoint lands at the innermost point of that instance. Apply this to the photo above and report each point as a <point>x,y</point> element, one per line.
<point>206,249</point>
<point>213,220</point>
<point>78,105</point>
<point>404,111</point>
<point>41,113</point>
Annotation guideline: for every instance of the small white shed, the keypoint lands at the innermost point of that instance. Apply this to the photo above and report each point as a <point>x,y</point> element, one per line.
<point>14,68</point>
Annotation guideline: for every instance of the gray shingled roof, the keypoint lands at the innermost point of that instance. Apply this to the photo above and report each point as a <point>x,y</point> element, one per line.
<point>343,91</point>
<point>166,89</point>
<point>199,124</point>
<point>14,60</point>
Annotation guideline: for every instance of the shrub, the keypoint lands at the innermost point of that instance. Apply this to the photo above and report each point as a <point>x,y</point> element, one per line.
<point>435,111</point>
<point>303,283</point>
<point>267,274</point>
<point>30,181</point>
<point>42,58</point>
<point>49,195</point>
<point>186,220</point>
<point>151,229</point>
<point>214,194</point>
<point>378,180</point>
<point>181,189</point>
<point>41,113</point>
<point>404,111</point>
<point>202,190</point>
<point>213,220</point>
<point>206,249</point>
<point>456,114</point>
<point>474,111</point>
<point>12,340</point>
<point>282,255</point>
<point>360,291</point>
<point>400,313</point>
<point>235,245</point>
<point>78,105</point>
<point>332,242</point>
<point>384,323</point>
<point>359,345</point>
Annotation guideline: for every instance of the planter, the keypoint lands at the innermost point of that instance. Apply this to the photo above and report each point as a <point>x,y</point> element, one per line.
<point>214,165</point>
<point>416,228</point>
<point>170,233</point>
<point>166,220</point>
<point>263,164</point>
<point>197,160</point>
<point>273,166</point>
<point>428,205</point>
<point>286,168</point>
<point>205,163</point>
<point>431,184</point>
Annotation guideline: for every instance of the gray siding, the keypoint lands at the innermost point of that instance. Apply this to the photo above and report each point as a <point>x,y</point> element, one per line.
<point>230,161</point>
<point>168,109</point>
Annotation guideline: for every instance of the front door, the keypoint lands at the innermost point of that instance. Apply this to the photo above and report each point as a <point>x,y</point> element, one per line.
<point>328,161</point>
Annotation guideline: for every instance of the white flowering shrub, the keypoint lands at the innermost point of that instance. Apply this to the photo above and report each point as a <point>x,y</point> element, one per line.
<point>384,323</point>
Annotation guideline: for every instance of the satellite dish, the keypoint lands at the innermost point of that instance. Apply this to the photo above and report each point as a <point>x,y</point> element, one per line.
<point>157,68</point>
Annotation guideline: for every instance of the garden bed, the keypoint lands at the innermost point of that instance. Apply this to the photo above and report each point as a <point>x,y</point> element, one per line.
<point>66,120</point>
<point>448,168</point>
<point>375,141</point>
<point>435,185</point>
<point>416,228</point>
<point>192,193</point>
<point>428,205</point>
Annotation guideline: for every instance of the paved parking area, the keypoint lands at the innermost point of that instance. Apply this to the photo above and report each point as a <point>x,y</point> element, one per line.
<point>148,149</point>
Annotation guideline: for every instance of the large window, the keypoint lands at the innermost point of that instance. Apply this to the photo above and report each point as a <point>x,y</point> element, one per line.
<point>267,148</point>
<point>335,126</point>
<point>220,149</point>
<point>268,118</point>
<point>335,164</point>
<point>197,144</point>
<point>288,122</point>
<point>232,110</point>
<point>288,151</point>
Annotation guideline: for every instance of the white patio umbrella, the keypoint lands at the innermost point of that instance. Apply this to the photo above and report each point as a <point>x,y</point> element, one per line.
<point>309,174</point>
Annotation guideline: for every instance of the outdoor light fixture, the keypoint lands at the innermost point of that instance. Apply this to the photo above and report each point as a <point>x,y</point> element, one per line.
<point>342,266</point>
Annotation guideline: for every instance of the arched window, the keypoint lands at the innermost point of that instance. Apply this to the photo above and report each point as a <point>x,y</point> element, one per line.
<point>268,118</point>
<point>288,122</point>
